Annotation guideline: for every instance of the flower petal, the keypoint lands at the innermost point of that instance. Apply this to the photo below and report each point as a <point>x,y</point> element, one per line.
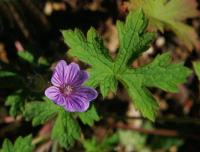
<point>79,101</point>
<point>60,73</point>
<point>80,78</point>
<point>75,76</point>
<point>76,104</point>
<point>53,93</point>
<point>90,93</point>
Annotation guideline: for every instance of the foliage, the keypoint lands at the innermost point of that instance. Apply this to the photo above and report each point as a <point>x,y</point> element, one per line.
<point>106,145</point>
<point>26,56</point>
<point>20,145</point>
<point>26,77</point>
<point>15,101</point>
<point>106,72</point>
<point>170,14</point>
<point>40,112</point>
<point>89,116</point>
<point>65,129</point>
<point>133,141</point>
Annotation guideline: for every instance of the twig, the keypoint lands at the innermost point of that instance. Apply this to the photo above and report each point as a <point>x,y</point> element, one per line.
<point>167,119</point>
<point>55,146</point>
<point>40,138</point>
<point>160,132</point>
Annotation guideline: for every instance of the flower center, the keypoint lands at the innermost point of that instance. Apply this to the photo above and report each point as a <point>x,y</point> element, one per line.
<point>67,90</point>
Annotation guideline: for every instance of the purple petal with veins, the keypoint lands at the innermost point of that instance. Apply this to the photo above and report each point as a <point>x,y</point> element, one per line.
<point>60,74</point>
<point>67,89</point>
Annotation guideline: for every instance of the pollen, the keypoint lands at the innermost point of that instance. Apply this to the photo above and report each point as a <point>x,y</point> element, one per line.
<point>67,90</point>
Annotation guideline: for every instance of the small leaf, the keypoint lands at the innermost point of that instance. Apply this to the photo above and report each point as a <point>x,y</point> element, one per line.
<point>7,74</point>
<point>7,146</point>
<point>89,117</point>
<point>196,66</point>
<point>66,130</point>
<point>21,145</point>
<point>43,61</point>
<point>133,141</point>
<point>40,112</point>
<point>15,101</point>
<point>26,56</point>
<point>108,144</point>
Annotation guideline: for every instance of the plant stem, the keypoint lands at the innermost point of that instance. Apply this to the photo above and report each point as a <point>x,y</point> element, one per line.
<point>160,132</point>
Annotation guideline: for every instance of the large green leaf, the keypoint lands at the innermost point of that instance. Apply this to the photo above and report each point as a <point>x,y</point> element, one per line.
<point>106,72</point>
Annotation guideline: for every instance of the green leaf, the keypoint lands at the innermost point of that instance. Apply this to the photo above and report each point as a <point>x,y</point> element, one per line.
<point>7,74</point>
<point>90,116</point>
<point>132,38</point>
<point>40,112</point>
<point>133,141</point>
<point>97,56</point>
<point>26,56</point>
<point>170,14</point>
<point>106,145</point>
<point>196,66</point>
<point>21,145</point>
<point>106,72</point>
<point>7,146</point>
<point>43,61</point>
<point>162,74</point>
<point>15,101</point>
<point>65,129</point>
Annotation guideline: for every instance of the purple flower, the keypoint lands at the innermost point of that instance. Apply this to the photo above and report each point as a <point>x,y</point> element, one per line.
<point>67,89</point>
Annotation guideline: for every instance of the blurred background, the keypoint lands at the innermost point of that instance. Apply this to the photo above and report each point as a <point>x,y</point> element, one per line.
<point>30,44</point>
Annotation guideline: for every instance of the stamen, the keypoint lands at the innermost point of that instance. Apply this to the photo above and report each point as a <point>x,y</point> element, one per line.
<point>67,90</point>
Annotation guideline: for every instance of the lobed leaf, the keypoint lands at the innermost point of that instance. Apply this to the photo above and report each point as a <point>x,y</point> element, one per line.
<point>133,38</point>
<point>89,117</point>
<point>7,146</point>
<point>106,72</point>
<point>15,101</point>
<point>106,145</point>
<point>40,112</point>
<point>20,145</point>
<point>170,14</point>
<point>65,129</point>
